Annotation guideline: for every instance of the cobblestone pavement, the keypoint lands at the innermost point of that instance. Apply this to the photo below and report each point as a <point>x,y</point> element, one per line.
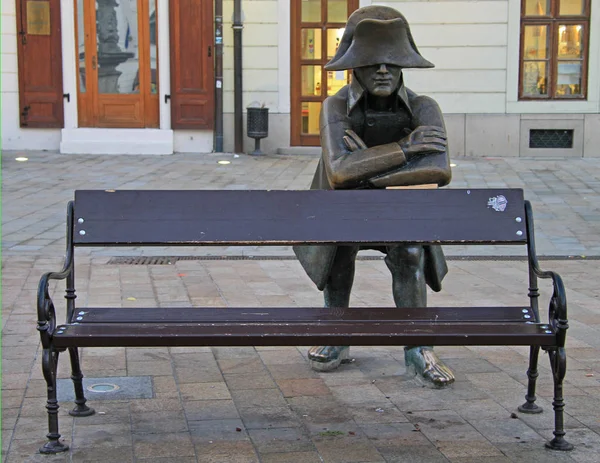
<point>265,404</point>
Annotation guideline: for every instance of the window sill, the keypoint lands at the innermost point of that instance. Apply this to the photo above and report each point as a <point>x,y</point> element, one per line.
<point>552,106</point>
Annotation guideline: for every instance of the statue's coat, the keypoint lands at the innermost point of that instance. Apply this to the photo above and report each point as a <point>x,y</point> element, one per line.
<point>381,165</point>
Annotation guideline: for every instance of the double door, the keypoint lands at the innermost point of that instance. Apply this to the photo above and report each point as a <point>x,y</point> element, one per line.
<point>117,63</point>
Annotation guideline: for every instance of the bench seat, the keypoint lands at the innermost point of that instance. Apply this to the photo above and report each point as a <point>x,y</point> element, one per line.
<point>193,326</point>
<point>302,333</point>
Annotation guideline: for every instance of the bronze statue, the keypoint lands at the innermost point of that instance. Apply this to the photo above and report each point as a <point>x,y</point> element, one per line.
<point>376,133</point>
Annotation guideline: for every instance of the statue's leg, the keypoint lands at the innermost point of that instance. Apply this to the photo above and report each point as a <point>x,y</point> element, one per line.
<point>407,263</point>
<point>336,294</point>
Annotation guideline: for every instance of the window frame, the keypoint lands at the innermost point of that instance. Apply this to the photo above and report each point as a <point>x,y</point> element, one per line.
<point>553,21</point>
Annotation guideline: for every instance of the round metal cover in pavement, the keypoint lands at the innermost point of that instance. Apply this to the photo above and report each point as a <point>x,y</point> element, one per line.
<point>103,387</point>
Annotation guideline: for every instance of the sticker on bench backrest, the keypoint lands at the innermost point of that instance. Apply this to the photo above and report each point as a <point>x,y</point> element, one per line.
<point>498,203</point>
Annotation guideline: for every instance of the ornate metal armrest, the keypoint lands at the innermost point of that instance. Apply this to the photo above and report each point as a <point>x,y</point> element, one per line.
<point>557,310</point>
<point>45,306</point>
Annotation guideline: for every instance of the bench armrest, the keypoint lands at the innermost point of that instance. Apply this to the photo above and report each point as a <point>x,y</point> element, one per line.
<point>557,310</point>
<point>45,306</point>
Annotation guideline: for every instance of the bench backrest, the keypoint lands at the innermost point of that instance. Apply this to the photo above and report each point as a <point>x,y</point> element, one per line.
<point>252,217</point>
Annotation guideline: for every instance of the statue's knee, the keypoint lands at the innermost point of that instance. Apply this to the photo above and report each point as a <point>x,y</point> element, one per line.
<point>345,256</point>
<point>404,256</point>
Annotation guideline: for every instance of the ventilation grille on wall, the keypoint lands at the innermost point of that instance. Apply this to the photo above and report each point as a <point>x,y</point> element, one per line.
<point>551,138</point>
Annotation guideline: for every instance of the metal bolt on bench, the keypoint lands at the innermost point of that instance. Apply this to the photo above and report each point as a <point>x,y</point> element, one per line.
<point>242,218</point>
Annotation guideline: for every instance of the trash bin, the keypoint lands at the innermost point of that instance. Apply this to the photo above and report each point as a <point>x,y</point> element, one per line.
<point>257,125</point>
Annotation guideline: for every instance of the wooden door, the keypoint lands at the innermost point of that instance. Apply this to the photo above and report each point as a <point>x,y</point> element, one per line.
<point>40,63</point>
<point>192,64</point>
<point>317,28</point>
<point>118,63</point>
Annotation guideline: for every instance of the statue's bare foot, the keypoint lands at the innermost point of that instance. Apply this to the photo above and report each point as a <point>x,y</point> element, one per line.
<point>422,362</point>
<point>327,358</point>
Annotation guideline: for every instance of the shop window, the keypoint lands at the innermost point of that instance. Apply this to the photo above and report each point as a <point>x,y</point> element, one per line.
<point>554,49</point>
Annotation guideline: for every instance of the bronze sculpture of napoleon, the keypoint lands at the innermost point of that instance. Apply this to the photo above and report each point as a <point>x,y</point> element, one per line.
<point>376,133</point>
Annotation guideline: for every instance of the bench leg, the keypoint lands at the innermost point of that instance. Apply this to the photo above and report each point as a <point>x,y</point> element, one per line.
<point>49,365</point>
<point>532,374</point>
<point>558,362</point>
<point>81,409</point>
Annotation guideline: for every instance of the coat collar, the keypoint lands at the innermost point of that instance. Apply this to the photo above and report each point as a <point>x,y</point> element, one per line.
<point>356,92</point>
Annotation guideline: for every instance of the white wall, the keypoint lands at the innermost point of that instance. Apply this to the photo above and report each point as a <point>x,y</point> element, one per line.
<point>475,47</point>
<point>260,54</point>
<point>467,42</point>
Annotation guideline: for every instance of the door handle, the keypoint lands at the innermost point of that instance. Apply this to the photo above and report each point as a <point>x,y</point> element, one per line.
<point>94,63</point>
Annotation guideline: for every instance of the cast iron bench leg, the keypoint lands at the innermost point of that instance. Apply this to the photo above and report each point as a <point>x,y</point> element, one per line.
<point>81,409</point>
<point>49,364</point>
<point>558,362</point>
<point>532,374</point>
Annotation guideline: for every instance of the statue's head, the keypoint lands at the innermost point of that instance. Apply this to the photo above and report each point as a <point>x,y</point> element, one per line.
<point>377,45</point>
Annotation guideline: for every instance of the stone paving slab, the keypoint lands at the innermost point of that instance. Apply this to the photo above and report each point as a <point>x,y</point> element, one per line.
<point>265,404</point>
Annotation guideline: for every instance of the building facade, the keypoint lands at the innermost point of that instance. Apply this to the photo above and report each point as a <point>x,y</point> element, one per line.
<point>513,77</point>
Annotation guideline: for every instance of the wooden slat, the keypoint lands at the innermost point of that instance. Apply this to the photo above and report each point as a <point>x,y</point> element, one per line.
<point>299,315</point>
<point>291,334</point>
<point>207,217</point>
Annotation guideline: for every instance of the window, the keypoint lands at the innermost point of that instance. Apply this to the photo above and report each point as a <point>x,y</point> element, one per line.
<point>554,49</point>
<point>317,28</point>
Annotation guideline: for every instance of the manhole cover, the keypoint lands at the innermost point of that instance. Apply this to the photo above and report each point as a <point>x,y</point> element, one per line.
<point>103,387</point>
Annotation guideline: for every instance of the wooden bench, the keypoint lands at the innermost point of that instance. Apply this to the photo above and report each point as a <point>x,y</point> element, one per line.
<point>244,218</point>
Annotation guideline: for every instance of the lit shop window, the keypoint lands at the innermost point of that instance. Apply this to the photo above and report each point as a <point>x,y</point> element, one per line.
<point>554,49</point>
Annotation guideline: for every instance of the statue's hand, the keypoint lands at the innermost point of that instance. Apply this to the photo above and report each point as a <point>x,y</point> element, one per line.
<point>424,139</point>
<point>353,142</point>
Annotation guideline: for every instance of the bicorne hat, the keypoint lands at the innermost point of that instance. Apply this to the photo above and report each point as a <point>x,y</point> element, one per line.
<point>377,35</point>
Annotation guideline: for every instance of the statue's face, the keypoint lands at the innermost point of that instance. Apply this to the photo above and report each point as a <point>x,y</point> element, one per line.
<point>379,79</point>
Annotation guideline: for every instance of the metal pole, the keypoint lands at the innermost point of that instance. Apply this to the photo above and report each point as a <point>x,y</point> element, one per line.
<point>219,76</point>
<point>237,79</point>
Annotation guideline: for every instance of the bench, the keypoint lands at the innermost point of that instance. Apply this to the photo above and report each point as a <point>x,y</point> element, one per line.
<point>248,218</point>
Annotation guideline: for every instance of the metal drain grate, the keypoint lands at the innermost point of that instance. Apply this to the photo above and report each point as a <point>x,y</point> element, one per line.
<point>170,260</point>
<point>553,139</point>
<point>152,260</point>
